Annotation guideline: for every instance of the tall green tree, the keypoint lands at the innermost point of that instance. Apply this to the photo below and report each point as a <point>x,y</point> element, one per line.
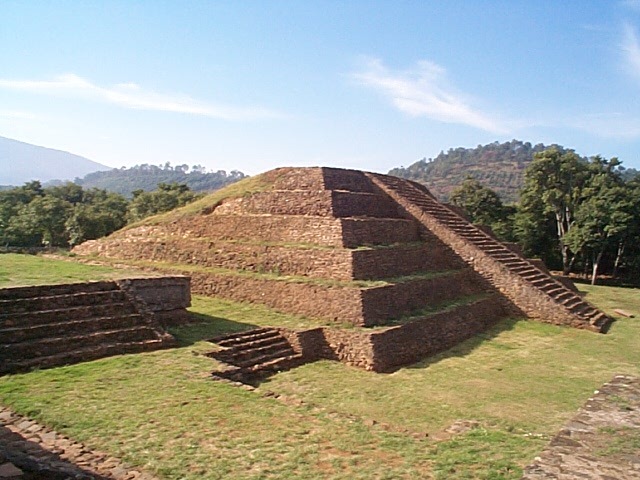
<point>167,197</point>
<point>483,206</point>
<point>603,216</point>
<point>551,193</point>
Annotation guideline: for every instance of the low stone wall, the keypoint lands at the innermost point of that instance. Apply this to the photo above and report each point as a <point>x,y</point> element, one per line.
<point>381,304</point>
<point>349,180</point>
<point>320,203</point>
<point>335,303</point>
<point>403,260</point>
<point>330,263</point>
<point>282,229</point>
<point>332,303</point>
<point>284,202</point>
<point>291,178</point>
<point>166,297</point>
<point>376,231</point>
<point>361,204</point>
<point>405,344</point>
<point>384,350</point>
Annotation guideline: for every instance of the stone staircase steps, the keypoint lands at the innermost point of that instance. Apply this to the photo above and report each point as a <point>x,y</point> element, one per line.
<point>14,293</point>
<point>47,326</point>
<point>93,352</point>
<point>45,317</point>
<point>52,302</point>
<point>84,326</point>
<point>414,197</point>
<point>254,354</point>
<point>55,345</point>
<point>243,337</point>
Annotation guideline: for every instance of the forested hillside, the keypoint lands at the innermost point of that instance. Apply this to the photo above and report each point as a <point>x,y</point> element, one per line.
<point>499,166</point>
<point>147,177</point>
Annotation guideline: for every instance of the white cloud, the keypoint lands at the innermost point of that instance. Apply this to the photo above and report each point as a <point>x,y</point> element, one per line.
<point>631,50</point>
<point>132,96</point>
<point>607,125</point>
<point>18,115</point>
<point>424,91</point>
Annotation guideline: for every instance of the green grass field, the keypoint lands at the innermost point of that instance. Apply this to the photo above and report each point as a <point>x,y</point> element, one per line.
<point>518,383</point>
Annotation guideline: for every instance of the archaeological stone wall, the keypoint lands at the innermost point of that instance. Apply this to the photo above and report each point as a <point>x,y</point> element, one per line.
<point>386,349</point>
<point>320,203</point>
<point>167,297</point>
<point>346,180</point>
<point>384,303</point>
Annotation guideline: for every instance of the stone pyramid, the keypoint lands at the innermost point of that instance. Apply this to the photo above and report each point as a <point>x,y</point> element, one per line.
<point>350,247</point>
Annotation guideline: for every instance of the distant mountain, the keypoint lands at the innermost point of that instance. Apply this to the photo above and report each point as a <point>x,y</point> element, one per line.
<point>22,162</point>
<point>147,177</point>
<point>499,166</point>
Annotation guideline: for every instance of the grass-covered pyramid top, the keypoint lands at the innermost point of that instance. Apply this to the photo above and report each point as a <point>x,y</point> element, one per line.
<point>243,188</point>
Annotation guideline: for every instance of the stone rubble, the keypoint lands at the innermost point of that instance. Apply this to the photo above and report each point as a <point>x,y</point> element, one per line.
<point>30,451</point>
<point>602,442</point>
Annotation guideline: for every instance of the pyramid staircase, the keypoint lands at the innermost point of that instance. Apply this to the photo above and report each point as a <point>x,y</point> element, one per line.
<point>549,300</point>
<point>48,326</point>
<point>254,354</point>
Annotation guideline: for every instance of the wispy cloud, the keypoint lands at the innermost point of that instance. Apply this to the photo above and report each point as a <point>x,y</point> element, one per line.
<point>424,91</point>
<point>631,50</point>
<point>607,125</point>
<point>132,96</point>
<point>18,115</point>
<point>632,4</point>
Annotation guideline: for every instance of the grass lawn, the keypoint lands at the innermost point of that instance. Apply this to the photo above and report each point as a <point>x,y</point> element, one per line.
<point>517,383</point>
<point>24,270</point>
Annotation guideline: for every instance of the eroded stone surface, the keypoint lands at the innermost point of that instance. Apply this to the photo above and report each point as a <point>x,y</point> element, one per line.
<point>29,451</point>
<point>602,442</point>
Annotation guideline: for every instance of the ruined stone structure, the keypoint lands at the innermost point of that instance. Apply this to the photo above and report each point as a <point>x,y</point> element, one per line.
<point>51,325</point>
<point>348,247</point>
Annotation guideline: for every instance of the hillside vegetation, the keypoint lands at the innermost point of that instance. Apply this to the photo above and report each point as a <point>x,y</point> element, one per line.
<point>498,166</point>
<point>126,181</point>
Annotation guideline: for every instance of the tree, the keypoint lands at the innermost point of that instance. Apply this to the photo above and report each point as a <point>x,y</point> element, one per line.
<point>603,214</point>
<point>483,206</point>
<point>552,189</point>
<point>100,214</point>
<point>167,197</point>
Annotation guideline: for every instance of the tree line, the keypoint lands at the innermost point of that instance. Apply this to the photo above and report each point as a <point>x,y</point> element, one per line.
<point>146,177</point>
<point>578,215</point>
<point>66,215</point>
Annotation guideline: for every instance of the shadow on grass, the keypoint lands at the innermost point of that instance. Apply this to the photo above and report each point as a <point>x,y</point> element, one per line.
<point>204,327</point>
<point>468,346</point>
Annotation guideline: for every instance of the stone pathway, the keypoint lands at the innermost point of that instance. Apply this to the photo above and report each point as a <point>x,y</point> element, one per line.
<point>29,451</point>
<point>602,442</point>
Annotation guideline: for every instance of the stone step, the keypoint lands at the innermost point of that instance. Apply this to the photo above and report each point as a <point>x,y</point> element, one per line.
<point>254,341</point>
<point>23,305</point>
<point>482,241</point>
<point>565,295</point>
<point>246,338</point>
<point>84,326</point>
<point>245,350</point>
<point>277,364</point>
<point>572,301</point>
<point>14,293</point>
<point>54,346</point>
<point>43,317</point>
<point>266,356</point>
<point>243,333</point>
<point>84,354</point>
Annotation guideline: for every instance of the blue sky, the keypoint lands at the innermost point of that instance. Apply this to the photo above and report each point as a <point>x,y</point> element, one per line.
<point>372,85</point>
